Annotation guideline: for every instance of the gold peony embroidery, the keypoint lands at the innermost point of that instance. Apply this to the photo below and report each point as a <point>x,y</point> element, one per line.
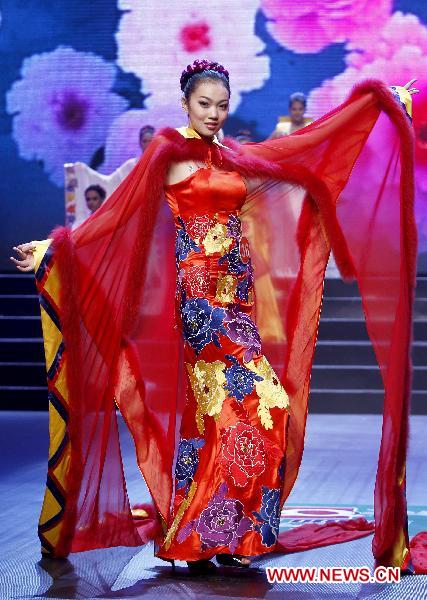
<point>226,289</point>
<point>270,391</point>
<point>217,240</point>
<point>207,381</point>
<point>180,513</point>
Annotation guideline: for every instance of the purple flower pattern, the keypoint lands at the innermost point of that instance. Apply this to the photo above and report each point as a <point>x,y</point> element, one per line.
<point>242,330</point>
<point>221,523</point>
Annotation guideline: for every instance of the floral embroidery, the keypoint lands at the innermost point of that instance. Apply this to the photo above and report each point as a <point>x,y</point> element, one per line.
<point>201,322</point>
<point>270,391</point>
<point>217,239</point>
<point>183,243</point>
<point>243,453</point>
<point>234,226</point>
<point>226,289</point>
<point>198,226</point>
<point>179,514</point>
<point>221,523</point>
<point>269,516</point>
<point>195,280</point>
<point>242,330</point>
<point>234,260</point>
<point>245,286</point>
<point>207,381</point>
<point>187,461</point>
<point>240,380</point>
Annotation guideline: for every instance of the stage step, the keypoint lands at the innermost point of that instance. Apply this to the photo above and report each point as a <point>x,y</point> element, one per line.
<point>345,375</point>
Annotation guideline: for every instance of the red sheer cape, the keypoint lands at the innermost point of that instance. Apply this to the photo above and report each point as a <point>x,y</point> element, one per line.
<point>112,302</point>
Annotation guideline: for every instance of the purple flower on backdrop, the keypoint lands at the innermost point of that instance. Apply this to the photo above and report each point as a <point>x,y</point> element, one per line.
<point>67,118</point>
<point>122,142</point>
<point>311,25</point>
<point>390,55</point>
<point>223,31</point>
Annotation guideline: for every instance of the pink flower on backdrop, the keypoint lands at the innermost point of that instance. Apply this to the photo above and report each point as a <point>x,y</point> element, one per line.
<point>62,107</point>
<point>398,54</point>
<point>123,136</point>
<point>308,26</point>
<point>157,40</point>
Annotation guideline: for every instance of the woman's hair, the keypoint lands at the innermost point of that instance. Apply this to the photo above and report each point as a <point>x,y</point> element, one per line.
<point>97,188</point>
<point>200,70</point>
<point>298,97</point>
<point>146,129</point>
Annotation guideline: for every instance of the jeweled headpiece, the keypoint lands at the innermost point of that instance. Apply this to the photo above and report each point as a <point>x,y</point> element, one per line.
<point>198,66</point>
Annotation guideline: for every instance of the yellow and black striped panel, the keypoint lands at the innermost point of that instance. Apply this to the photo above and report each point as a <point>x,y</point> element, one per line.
<point>52,513</point>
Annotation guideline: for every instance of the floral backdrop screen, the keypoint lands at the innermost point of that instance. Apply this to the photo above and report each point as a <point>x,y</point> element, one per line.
<point>79,79</point>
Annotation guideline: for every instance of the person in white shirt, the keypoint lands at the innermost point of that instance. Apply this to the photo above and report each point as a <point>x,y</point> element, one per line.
<point>79,177</point>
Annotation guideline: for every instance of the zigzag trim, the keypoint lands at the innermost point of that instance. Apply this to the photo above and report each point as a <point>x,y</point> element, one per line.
<point>47,305</point>
<point>52,514</point>
<point>44,266</point>
<point>54,368</point>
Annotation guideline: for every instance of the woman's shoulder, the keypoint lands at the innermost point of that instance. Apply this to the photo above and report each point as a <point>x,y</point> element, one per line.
<point>170,135</point>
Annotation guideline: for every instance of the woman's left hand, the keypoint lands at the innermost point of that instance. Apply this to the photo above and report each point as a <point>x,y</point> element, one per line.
<point>410,89</point>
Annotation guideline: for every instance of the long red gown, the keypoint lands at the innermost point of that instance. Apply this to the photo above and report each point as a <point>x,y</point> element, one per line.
<point>116,306</point>
<point>230,466</point>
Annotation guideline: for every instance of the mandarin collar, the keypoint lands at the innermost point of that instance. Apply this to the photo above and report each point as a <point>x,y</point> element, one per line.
<point>190,133</point>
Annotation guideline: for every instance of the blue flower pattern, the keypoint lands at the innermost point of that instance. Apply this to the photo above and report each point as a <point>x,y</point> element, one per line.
<point>240,380</point>
<point>234,260</point>
<point>269,516</point>
<point>187,461</point>
<point>201,322</point>
<point>245,284</point>
<point>183,243</point>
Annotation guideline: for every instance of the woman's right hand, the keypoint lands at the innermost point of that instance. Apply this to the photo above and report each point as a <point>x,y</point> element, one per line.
<point>25,252</point>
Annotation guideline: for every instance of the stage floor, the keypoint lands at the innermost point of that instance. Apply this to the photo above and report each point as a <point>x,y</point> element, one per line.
<point>337,472</point>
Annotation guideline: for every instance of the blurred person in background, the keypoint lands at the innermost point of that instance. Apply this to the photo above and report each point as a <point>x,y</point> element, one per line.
<point>78,176</point>
<point>95,196</point>
<point>295,119</point>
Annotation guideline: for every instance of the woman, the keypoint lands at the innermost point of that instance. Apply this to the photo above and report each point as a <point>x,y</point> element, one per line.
<point>78,176</point>
<point>219,427</point>
<point>296,120</point>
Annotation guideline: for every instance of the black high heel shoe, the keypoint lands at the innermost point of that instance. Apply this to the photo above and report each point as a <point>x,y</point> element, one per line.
<point>169,560</point>
<point>233,560</point>
<point>201,567</point>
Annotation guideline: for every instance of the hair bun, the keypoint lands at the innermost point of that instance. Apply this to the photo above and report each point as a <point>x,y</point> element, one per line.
<point>197,67</point>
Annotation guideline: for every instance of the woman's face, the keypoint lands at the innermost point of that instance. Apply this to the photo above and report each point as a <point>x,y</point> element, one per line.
<point>296,112</point>
<point>144,140</point>
<point>207,107</point>
<point>93,200</point>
